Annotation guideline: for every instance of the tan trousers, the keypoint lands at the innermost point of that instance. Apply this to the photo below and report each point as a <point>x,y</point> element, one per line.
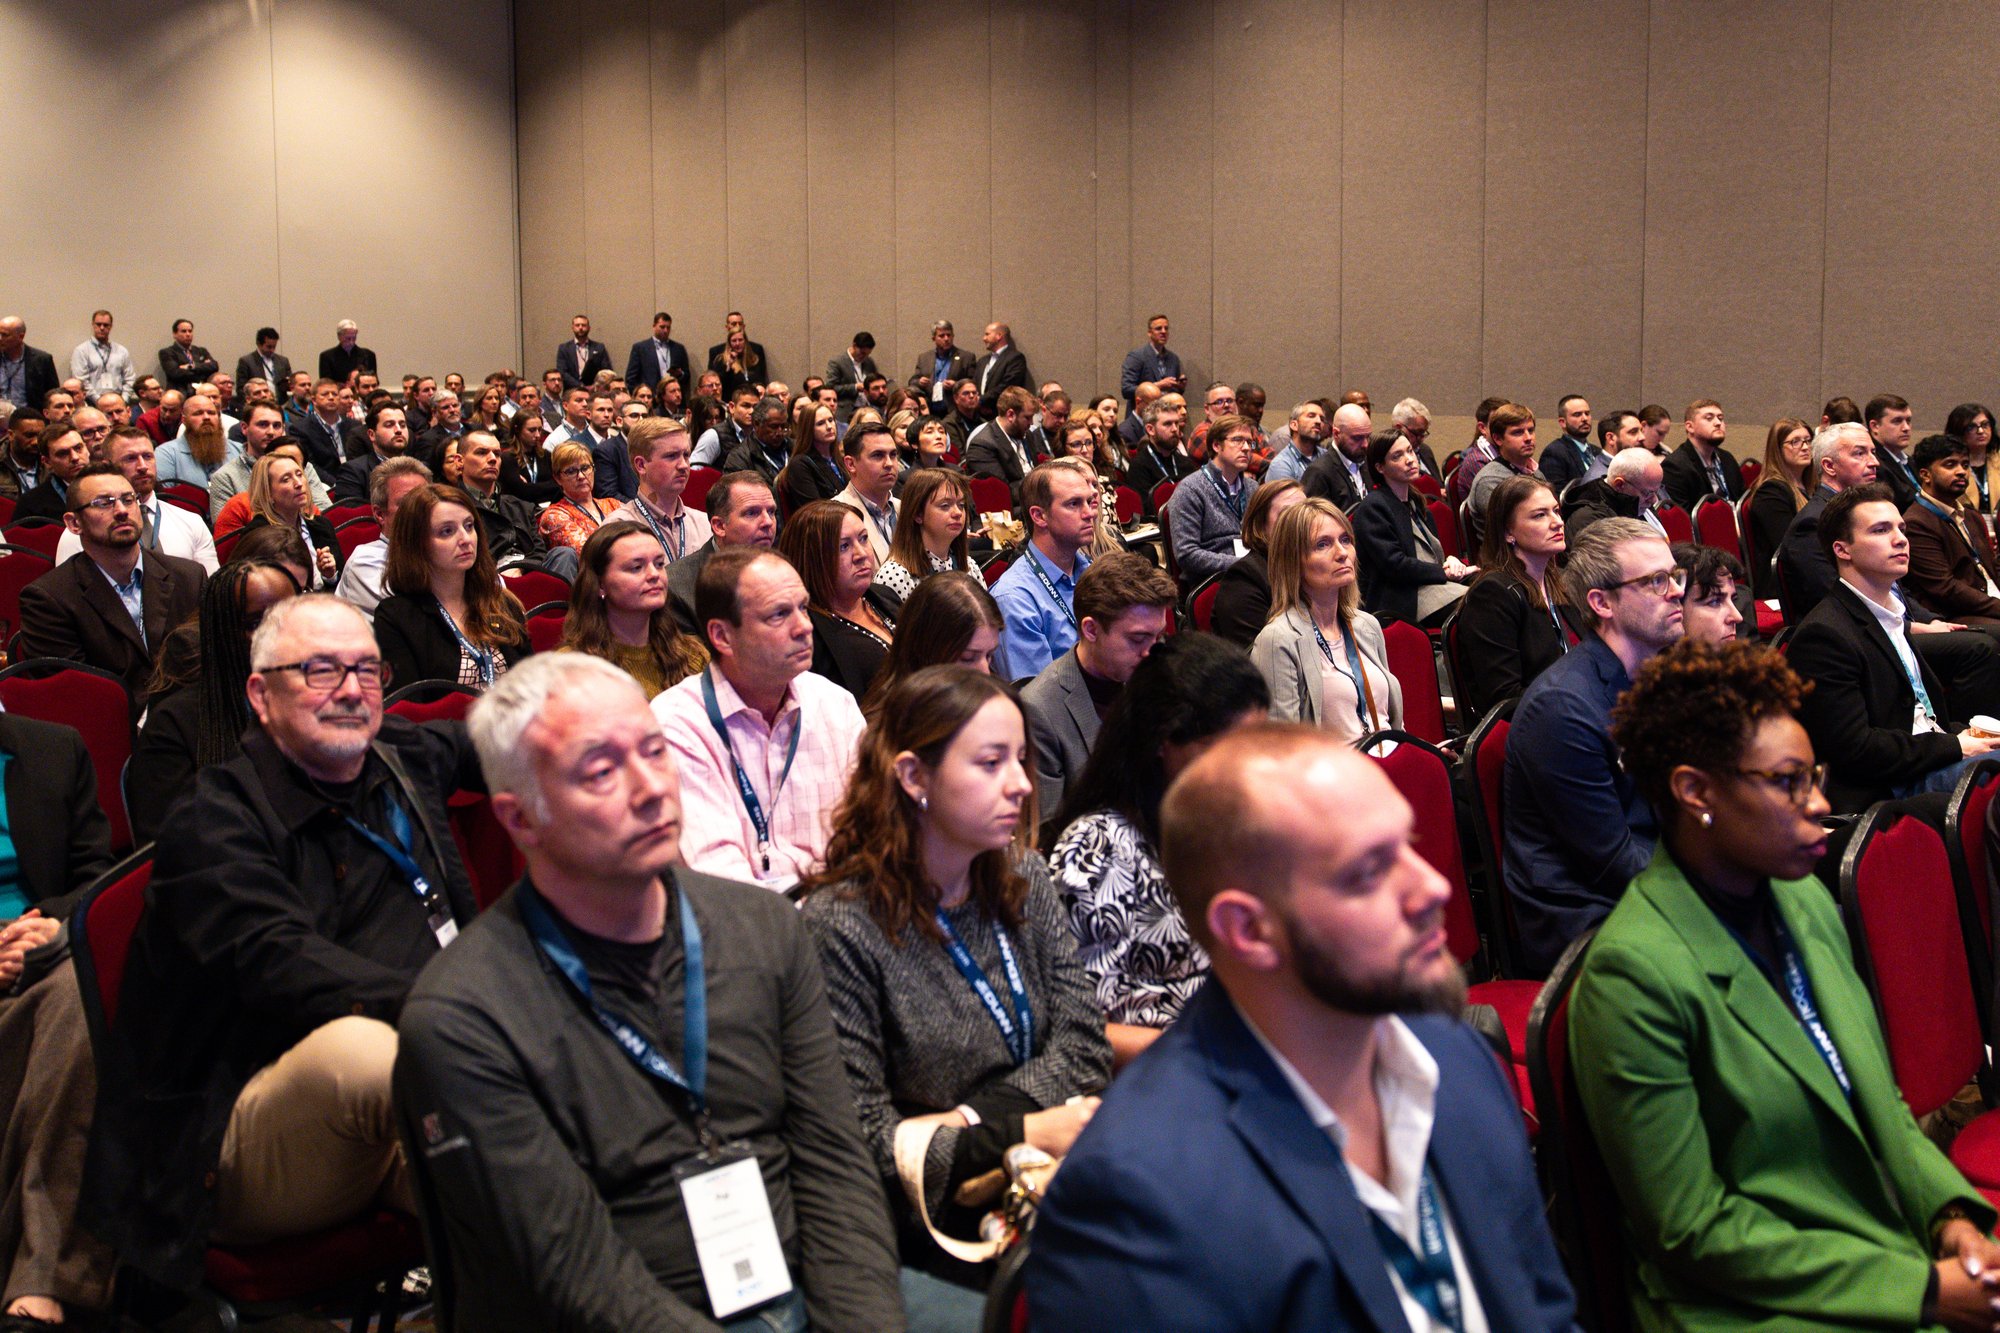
<point>312,1140</point>
<point>48,1087</point>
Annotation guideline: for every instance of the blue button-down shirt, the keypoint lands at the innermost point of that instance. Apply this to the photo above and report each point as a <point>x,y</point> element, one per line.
<point>1040,628</point>
<point>132,593</point>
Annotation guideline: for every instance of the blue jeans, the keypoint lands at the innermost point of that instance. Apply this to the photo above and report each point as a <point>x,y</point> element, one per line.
<point>785,1316</point>
<point>934,1305</point>
<point>1938,779</point>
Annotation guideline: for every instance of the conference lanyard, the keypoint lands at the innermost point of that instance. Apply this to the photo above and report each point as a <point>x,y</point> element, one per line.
<point>400,856</point>
<point>594,520</point>
<point>1428,1277</point>
<point>751,804</point>
<point>1364,703</point>
<point>1016,1024</point>
<point>1049,586</point>
<point>482,658</point>
<point>641,1052</point>
<point>1235,502</point>
<point>1911,672</point>
<point>679,543</point>
<point>1799,987</point>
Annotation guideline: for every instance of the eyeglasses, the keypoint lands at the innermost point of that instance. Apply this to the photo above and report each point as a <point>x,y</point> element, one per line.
<point>1660,583</point>
<point>326,675</point>
<point>1798,784</point>
<point>580,470</point>
<point>104,504</point>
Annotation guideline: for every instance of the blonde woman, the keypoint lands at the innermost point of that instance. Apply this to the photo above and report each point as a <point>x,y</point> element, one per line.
<point>278,498</point>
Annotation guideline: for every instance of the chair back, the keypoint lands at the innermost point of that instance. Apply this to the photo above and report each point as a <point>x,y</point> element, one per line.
<point>7,503</point>
<point>1414,664</point>
<point>1451,462</point>
<point>1446,524</point>
<point>1163,492</point>
<point>336,515</point>
<point>1680,528</point>
<point>91,701</point>
<point>1749,470</point>
<point>431,701</point>
<point>1201,603</point>
<point>1586,1218</point>
<point>1482,772</point>
<point>1165,518</point>
<point>185,493</point>
<point>1007,1294</point>
<point>356,533</point>
<point>1902,916</point>
<point>199,508</point>
<point>1421,773</point>
<point>1129,505</point>
<point>35,535</point>
<point>1456,669</point>
<point>1972,866</point>
<point>535,586</point>
<point>700,478</point>
<point>991,496</point>
<point>1715,522</point>
<point>1426,483</point>
<point>101,928</point>
<point>545,625</point>
<point>227,543</point>
<point>19,566</point>
<point>1747,551</point>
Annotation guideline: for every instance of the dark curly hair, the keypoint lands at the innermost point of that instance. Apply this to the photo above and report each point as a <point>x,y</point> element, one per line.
<point>1696,705</point>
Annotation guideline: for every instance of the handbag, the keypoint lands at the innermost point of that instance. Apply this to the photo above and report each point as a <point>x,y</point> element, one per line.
<point>1015,1190</point>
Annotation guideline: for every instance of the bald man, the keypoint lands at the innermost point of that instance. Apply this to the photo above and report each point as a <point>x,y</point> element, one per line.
<point>1337,473</point>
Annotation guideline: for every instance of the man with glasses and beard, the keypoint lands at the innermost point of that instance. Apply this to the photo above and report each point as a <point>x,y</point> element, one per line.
<point>1318,1103</point>
<point>202,447</point>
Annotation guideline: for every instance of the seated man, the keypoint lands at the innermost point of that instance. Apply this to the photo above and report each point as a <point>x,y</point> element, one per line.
<point>361,578</point>
<point>511,529</point>
<point>388,437</point>
<point>1629,488</point>
<point>549,1150</point>
<point>659,448</point>
<point>1844,457</point>
<point>1952,565</point>
<point>163,527</point>
<point>1876,713</point>
<point>1122,602</point>
<point>1577,831</point>
<point>1036,594</point>
<point>64,454</point>
<point>314,877</point>
<point>742,512</point>
<point>1317,1143</point>
<point>764,746</point>
<point>1205,515</point>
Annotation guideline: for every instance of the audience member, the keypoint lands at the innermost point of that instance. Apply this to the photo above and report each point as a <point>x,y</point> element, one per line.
<point>927,445</point>
<point>1577,830</point>
<point>442,427</point>
<point>659,449</point>
<point>1155,363</point>
<point>998,449</point>
<point>103,365</point>
<point>1157,456</point>
<point>1204,518</point>
<point>1658,424</point>
<point>281,546</point>
<point>1339,473</point>
<point>1701,467</point>
<point>330,436</point>
<point>1727,1056</point>
<point>814,470</point>
<point>618,609</point>
<point>1242,603</point>
<point>1458,486</point>
<point>741,512</point>
<point>1887,417</point>
<point>1514,623</point>
<point>510,524</point>
<point>1571,458</point>
<point>26,373</point>
<point>266,362</point>
<point>277,496</point>
<point>1511,428</point>
<point>263,429</point>
<point>1276,1160</point>
<point>388,437</point>
<point>762,449</point>
<point>1316,603</point>
<point>527,470</point>
<point>64,455</point>
<point>764,744</point>
<point>1843,457</point>
<point>950,620</point>
<point>1789,475</point>
<point>1630,489</point>
<point>361,578</point>
<point>1952,568</point>
<point>827,543</point>
<point>1711,611</point>
<point>869,453</point>
<point>938,368</point>
<point>1037,591</point>
<point>21,459</point>
<point>162,527</point>
<point>1972,423</point>
<point>447,616</point>
<point>932,539</point>
<point>346,356</point>
<point>201,449</point>
<point>572,519</point>
<point>965,1021</point>
<point>1405,573</point>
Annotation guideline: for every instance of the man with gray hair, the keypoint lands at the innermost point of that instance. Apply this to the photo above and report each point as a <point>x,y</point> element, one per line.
<point>1413,422</point>
<point>1844,456</point>
<point>340,361</point>
<point>1629,488</point>
<point>665,1038</point>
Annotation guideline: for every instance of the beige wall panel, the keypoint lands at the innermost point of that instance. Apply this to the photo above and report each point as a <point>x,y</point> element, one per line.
<point>548,63</point>
<point>1565,196</point>
<point>1910,278</point>
<point>1413,175</point>
<point>1174,109</point>
<point>690,188</point>
<point>617,197</point>
<point>850,183</point>
<point>1735,172</point>
<point>1112,190</point>
<point>764,53</point>
<point>943,218</point>
<point>1044,236</point>
<point>1277,215</point>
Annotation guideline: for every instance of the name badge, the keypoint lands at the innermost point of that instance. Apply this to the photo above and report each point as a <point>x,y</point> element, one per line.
<point>444,928</point>
<point>735,1237</point>
<point>1240,548</point>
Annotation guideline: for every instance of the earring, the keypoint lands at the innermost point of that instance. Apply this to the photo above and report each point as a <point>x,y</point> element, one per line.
<point>924,804</point>
<point>1707,819</point>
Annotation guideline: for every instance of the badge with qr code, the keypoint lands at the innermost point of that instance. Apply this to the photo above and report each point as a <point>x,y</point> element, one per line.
<point>735,1236</point>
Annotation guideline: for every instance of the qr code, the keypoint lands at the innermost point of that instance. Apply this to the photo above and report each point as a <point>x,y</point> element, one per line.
<point>742,1270</point>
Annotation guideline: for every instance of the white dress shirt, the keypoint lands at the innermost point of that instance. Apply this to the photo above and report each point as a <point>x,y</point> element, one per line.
<point>176,532</point>
<point>1895,623</point>
<point>361,577</point>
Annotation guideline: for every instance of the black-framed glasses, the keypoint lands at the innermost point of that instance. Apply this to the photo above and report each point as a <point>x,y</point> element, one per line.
<point>326,675</point>
<point>580,470</point>
<point>1660,583</point>
<point>1798,784</point>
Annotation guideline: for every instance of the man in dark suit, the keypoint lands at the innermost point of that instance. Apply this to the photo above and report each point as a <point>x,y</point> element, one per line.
<point>763,450</point>
<point>581,357</point>
<point>1701,467</point>
<point>734,323</point>
<point>110,605</point>
<point>964,419</point>
<point>741,512</point>
<point>1571,456</point>
<point>1158,455</point>
<point>939,367</point>
<point>183,364</point>
<point>846,374</point>
<point>329,435</point>
<point>1330,1009</point>
<point>27,374</point>
<point>1888,419</point>
<point>1845,458</point>
<point>1003,367</point>
<point>340,361</point>
<point>388,437</point>
<point>64,455</point>
<point>657,358</point>
<point>999,448</point>
<point>266,363</point>
<point>1338,474</point>
<point>1155,364</point>
<point>1952,565</point>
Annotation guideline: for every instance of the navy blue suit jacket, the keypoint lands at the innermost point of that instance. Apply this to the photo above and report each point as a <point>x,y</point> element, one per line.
<point>642,364</point>
<point>1201,1198</point>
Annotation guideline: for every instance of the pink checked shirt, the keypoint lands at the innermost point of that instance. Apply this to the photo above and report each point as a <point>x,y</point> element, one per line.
<point>717,836</point>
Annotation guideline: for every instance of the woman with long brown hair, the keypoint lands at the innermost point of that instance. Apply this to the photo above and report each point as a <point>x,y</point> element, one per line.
<point>930,537</point>
<point>1512,624</point>
<point>964,1019</point>
<point>814,470</point>
<point>1783,487</point>
<point>827,543</point>
<point>738,364</point>
<point>618,609</point>
<point>950,620</point>
<point>527,472</point>
<point>447,617</point>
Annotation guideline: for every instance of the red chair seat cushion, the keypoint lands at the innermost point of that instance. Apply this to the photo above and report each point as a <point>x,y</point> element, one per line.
<point>285,1270</point>
<point>1976,1150</point>
<point>1769,620</point>
<point>1513,1000</point>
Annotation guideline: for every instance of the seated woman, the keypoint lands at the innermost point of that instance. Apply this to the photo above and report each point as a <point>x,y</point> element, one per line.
<point>1972,423</point>
<point>814,470</point>
<point>1243,593</point>
<point>964,1019</point>
<point>618,609</point>
<point>278,499</point>
<point>1513,622</point>
<point>1405,574</point>
<point>926,440</point>
<point>930,534</point>
<point>282,546</point>
<point>236,510</point>
<point>196,711</point>
<point>451,461</point>
<point>1322,657</point>
<point>572,519</point>
<point>1788,480</point>
<point>1711,606</point>
<point>527,472</point>
<point>1729,1059</point>
<point>950,620</point>
<point>446,617</point>
<point>1130,936</point>
<point>1079,441</point>
<point>827,542</point>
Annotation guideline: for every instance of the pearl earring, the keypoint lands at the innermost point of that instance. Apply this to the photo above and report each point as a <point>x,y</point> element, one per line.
<point>1707,819</point>
<point>924,804</point>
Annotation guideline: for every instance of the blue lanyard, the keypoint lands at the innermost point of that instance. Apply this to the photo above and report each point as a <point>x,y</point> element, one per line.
<point>751,804</point>
<point>1429,1277</point>
<point>679,544</point>
<point>1796,985</point>
<point>1017,1025</point>
<point>400,854</point>
<point>1034,562</point>
<point>482,658</point>
<point>1235,502</point>
<point>1364,703</point>
<point>1912,672</point>
<point>641,1052</point>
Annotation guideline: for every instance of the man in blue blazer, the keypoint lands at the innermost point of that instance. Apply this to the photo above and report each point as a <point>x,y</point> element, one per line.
<point>1317,1143</point>
<point>658,357</point>
<point>582,356</point>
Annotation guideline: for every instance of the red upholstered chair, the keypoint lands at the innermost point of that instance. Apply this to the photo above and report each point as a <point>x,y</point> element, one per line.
<point>340,514</point>
<point>991,496</point>
<point>1130,507</point>
<point>355,533</point>
<point>1414,664</point>
<point>995,567</point>
<point>1750,470</point>
<point>6,509</point>
<point>1446,523</point>
<point>199,508</point>
<point>1451,462</point>
<point>1902,916</point>
<point>535,586</point>
<point>1457,671</point>
<point>1586,1218</point>
<point>1426,483</point>
<point>695,494</point>
<point>1481,772</point>
<point>1201,603</point>
<point>1162,491</point>
<point>545,625</point>
<point>1007,1294</point>
<point>36,535</point>
<point>225,544</point>
<point>1715,524</point>
<point>185,493</point>
<point>1972,872</point>
<point>491,861</point>
<point>19,566</point>
<point>91,701</point>
<point>1675,520</point>
<point>1745,551</point>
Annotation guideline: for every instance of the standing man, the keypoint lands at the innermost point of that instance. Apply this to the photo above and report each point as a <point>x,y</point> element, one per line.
<point>184,364</point>
<point>1571,456</point>
<point>1338,473</point>
<point>872,467</point>
<point>266,363</point>
<point>1002,367</point>
<point>1207,509</point>
<point>27,374</point>
<point>1037,594</point>
<point>1888,420</point>
<point>998,448</point>
<point>1701,467</point>
<point>163,528</point>
<point>938,368</point>
<point>581,357</point>
<point>1155,363</point>
<point>657,358</point>
<point>659,452</point>
<point>846,374</point>
<point>340,361</point>
<point>103,366</point>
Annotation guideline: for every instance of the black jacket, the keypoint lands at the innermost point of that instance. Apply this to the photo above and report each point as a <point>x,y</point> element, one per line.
<point>596,358</point>
<point>1772,509</point>
<point>642,364</point>
<point>845,655</point>
<point>267,918</point>
<point>183,367</point>
<point>337,362</point>
<point>1593,500</point>
<point>73,613</point>
<point>1149,468</point>
<point>1686,481</point>
<point>250,366</point>
<point>1386,545</point>
<point>991,453</point>
<point>40,501</point>
<point>417,644</point>
<point>1010,370</point>
<point>322,540</point>
<point>1504,641</point>
<point>62,840</point>
<point>38,376</point>
<point>536,483</point>
<point>1327,478</point>
<point>1804,574</point>
<point>1243,600</point>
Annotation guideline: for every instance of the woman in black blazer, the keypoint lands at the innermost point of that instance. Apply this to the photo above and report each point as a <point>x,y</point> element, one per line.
<point>1405,574</point>
<point>1787,479</point>
<point>1512,624</point>
<point>1242,604</point>
<point>827,542</point>
<point>527,471</point>
<point>278,496</point>
<point>814,472</point>
<point>447,616</point>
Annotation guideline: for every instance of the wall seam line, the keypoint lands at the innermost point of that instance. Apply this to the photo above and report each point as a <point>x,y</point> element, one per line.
<point>277,208</point>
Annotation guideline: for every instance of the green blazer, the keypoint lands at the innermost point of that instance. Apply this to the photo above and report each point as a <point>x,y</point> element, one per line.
<point>1750,1184</point>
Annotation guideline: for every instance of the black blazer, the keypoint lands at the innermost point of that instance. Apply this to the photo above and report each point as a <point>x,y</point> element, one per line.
<point>1772,509</point>
<point>959,367</point>
<point>1242,600</point>
<point>1149,468</point>
<point>1504,641</point>
<point>72,613</point>
<point>322,540</point>
<point>417,644</point>
<point>183,367</point>
<point>62,841</point>
<point>163,760</point>
<point>1385,533</point>
<point>1010,368</point>
<point>598,359</point>
<point>1859,709</point>
<point>38,376</point>
<point>1898,477</point>
<point>1326,478</point>
<point>40,501</point>
<point>250,366</point>
<point>536,483</point>
<point>1806,571</point>
<point>326,450</point>
<point>990,453</point>
<point>1685,480</point>
<point>845,655</point>
<point>643,367</point>
<point>681,577</point>
<point>808,478</point>
<point>337,362</point>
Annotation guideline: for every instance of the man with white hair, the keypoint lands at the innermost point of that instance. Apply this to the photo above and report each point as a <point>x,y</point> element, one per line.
<point>1629,488</point>
<point>1844,455</point>
<point>1307,430</point>
<point>26,373</point>
<point>346,356</point>
<point>103,366</point>
<point>573,1138</point>
<point>1337,473</point>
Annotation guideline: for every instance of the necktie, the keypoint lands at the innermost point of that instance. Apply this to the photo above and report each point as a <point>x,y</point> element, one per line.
<point>149,532</point>
<point>986,373</point>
